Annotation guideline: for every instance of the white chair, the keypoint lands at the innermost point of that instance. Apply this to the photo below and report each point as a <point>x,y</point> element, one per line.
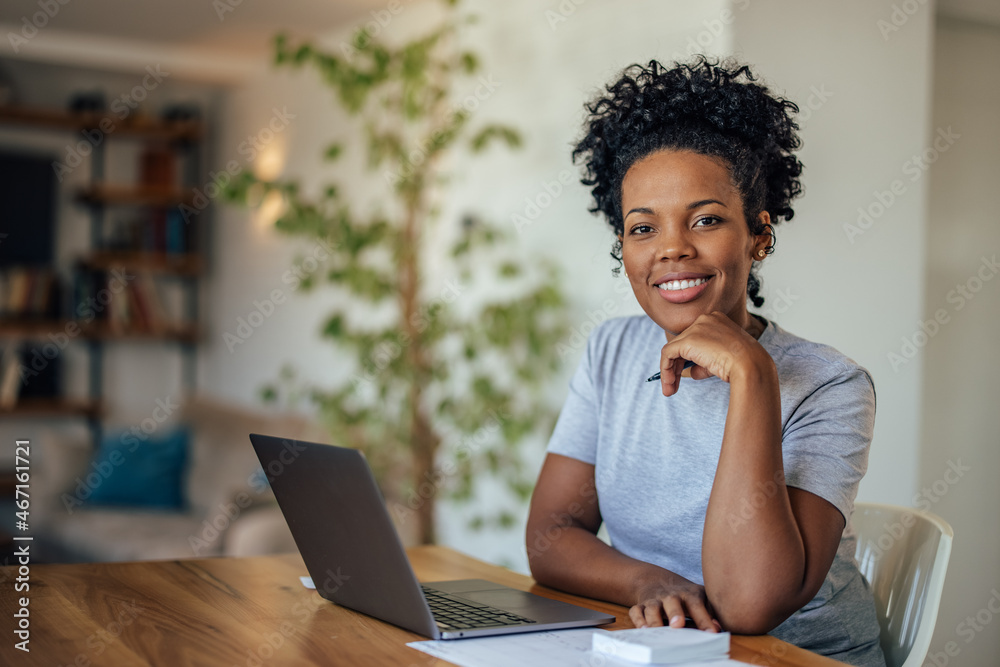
<point>903,554</point>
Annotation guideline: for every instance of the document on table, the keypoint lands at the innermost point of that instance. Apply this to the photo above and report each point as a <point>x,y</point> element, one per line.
<point>559,648</point>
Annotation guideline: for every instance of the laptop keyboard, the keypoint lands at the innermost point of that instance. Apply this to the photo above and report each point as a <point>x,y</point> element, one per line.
<point>452,614</point>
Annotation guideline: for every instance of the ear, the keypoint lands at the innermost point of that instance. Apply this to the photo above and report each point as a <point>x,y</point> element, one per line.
<point>765,239</point>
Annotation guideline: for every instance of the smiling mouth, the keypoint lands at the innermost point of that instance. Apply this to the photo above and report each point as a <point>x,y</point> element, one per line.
<point>677,285</point>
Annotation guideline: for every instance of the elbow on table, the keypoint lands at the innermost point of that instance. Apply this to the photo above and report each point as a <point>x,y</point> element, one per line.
<point>548,558</point>
<point>750,623</point>
<point>537,561</point>
<point>541,568</point>
<point>553,567</point>
<point>748,614</point>
<point>540,574</point>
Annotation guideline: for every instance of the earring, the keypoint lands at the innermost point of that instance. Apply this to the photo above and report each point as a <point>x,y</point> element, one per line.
<point>761,253</point>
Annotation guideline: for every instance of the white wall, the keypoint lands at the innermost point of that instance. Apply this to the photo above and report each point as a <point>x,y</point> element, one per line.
<point>859,293</point>
<point>960,420</point>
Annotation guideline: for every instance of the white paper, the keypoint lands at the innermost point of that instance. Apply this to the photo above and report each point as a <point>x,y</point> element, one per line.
<point>560,648</point>
<point>308,583</point>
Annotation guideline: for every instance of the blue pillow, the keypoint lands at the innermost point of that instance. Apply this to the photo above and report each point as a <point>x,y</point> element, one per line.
<point>139,473</point>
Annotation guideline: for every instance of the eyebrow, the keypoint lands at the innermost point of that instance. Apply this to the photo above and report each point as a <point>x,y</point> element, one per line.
<point>704,202</point>
<point>641,209</point>
<point>692,206</point>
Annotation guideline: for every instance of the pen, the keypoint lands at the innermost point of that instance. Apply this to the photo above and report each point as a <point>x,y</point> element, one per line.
<point>687,364</point>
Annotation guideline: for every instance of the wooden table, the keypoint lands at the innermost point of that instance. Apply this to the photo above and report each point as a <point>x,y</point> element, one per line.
<point>247,612</point>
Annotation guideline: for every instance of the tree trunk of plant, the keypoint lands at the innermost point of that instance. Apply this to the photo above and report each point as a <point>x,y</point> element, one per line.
<point>424,449</point>
<point>425,440</point>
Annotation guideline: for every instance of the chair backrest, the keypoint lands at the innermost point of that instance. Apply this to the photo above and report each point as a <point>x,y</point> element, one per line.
<point>904,554</point>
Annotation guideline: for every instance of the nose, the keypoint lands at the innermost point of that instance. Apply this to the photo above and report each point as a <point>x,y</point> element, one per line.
<point>675,243</point>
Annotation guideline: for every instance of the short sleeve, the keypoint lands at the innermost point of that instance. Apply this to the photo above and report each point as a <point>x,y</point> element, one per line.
<point>577,428</point>
<point>826,439</point>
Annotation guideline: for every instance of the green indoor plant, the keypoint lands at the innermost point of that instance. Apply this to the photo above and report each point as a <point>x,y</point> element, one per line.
<point>445,391</point>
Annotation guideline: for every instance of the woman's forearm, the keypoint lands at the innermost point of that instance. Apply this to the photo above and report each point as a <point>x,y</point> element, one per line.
<point>753,555</point>
<point>572,559</point>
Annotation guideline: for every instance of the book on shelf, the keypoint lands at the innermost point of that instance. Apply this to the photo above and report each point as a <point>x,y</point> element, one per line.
<point>158,231</point>
<point>10,377</point>
<point>135,308</point>
<point>118,313</point>
<point>177,237</point>
<point>154,304</point>
<point>149,313</point>
<point>28,292</point>
<point>158,167</point>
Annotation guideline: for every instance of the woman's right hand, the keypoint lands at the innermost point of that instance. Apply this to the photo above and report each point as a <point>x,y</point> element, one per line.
<point>564,552</point>
<point>672,600</point>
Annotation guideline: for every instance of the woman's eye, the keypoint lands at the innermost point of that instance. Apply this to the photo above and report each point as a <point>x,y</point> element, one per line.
<point>707,221</point>
<point>640,229</point>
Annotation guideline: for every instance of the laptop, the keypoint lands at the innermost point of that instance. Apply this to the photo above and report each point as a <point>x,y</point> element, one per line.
<point>342,528</point>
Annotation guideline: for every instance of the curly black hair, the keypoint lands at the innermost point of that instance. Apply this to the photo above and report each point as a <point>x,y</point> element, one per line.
<point>710,108</point>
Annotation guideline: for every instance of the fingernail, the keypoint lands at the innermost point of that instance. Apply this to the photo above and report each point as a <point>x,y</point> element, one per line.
<point>677,619</point>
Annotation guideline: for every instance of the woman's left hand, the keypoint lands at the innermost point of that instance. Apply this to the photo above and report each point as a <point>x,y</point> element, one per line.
<point>717,346</point>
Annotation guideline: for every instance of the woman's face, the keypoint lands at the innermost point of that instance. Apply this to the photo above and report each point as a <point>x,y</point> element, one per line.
<point>686,246</point>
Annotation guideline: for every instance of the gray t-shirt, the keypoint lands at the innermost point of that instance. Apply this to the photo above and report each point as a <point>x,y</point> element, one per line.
<point>651,451</point>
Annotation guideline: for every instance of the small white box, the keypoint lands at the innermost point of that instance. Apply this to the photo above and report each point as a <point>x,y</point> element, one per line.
<point>662,645</point>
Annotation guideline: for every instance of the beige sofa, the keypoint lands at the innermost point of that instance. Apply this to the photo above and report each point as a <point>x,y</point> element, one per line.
<point>230,510</point>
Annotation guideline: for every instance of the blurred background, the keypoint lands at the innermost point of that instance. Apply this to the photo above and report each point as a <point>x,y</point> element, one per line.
<point>890,257</point>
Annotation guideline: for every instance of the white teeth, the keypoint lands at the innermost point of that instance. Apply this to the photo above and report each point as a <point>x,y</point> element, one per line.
<point>674,285</point>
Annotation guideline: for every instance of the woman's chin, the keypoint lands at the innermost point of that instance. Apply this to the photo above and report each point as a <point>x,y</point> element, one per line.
<point>671,325</point>
<point>674,318</point>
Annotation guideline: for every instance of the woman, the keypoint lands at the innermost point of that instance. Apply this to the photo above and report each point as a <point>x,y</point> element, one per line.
<point>726,489</point>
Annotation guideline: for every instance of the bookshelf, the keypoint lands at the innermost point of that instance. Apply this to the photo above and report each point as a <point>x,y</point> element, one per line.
<point>31,408</point>
<point>109,194</point>
<point>179,264</point>
<point>135,126</point>
<point>137,237</point>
